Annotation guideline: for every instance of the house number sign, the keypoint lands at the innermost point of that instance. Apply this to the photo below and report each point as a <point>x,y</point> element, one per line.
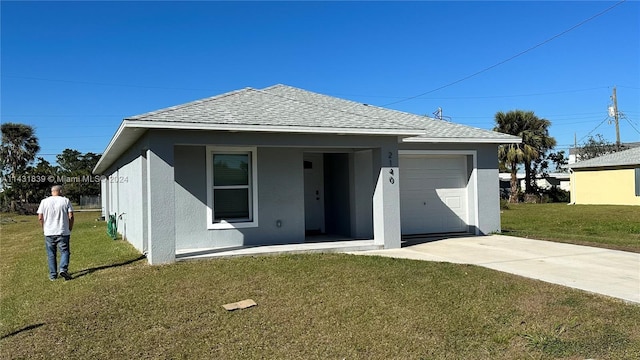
<point>391,179</point>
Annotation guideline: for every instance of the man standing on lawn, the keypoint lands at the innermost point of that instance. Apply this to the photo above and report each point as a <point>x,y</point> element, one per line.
<point>55,214</point>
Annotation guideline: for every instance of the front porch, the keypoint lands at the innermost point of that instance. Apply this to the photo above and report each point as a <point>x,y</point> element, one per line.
<point>307,247</point>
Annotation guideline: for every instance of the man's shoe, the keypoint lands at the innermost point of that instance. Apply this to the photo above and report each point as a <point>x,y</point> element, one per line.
<point>65,275</point>
<point>52,279</point>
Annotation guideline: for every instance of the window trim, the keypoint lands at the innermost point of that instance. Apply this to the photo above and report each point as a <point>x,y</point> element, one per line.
<point>637,179</point>
<point>253,187</point>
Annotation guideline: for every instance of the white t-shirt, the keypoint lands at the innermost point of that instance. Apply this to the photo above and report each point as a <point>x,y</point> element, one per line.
<point>55,211</point>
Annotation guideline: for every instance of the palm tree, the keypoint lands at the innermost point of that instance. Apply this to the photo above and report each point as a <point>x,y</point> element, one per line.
<point>19,148</point>
<point>537,137</point>
<point>535,142</point>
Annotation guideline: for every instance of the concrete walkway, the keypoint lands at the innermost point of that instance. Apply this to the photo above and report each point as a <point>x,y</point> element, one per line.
<point>608,272</point>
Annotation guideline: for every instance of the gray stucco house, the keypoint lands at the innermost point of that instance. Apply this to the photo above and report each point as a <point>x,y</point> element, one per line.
<point>282,165</point>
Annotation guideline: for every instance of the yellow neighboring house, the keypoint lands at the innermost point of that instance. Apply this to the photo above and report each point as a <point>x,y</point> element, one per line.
<point>612,179</point>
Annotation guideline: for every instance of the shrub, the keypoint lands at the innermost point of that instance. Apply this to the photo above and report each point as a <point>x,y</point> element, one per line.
<point>504,204</point>
<point>555,194</point>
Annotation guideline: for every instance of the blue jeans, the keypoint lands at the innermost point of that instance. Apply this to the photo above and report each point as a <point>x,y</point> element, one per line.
<point>53,243</point>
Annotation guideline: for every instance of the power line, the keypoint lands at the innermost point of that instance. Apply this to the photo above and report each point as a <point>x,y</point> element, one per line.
<point>335,94</point>
<point>574,115</point>
<point>478,97</point>
<point>632,126</point>
<point>108,84</point>
<point>594,129</point>
<point>512,57</point>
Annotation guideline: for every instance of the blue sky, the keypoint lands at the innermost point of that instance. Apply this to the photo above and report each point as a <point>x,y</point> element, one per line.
<point>74,70</point>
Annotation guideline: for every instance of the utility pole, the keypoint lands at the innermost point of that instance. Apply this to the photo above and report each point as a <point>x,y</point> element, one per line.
<point>615,116</point>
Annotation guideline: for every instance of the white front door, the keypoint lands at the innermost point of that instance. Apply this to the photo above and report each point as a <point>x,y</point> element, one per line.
<point>314,193</point>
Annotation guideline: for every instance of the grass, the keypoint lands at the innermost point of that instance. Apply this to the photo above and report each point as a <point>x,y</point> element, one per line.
<point>607,226</point>
<point>315,306</point>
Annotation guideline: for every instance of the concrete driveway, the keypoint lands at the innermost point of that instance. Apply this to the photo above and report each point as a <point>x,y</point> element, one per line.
<point>608,272</point>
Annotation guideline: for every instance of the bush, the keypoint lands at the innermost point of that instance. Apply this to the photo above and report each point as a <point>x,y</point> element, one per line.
<point>532,198</point>
<point>556,195</point>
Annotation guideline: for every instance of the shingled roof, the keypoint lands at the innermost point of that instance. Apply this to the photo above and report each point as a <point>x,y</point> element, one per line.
<point>627,158</point>
<point>282,108</point>
<point>433,130</point>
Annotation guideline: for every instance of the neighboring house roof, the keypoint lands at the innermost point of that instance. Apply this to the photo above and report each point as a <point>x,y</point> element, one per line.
<point>282,108</point>
<point>626,158</point>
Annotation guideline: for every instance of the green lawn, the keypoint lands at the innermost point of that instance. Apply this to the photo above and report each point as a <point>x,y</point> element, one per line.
<point>608,226</point>
<point>316,306</point>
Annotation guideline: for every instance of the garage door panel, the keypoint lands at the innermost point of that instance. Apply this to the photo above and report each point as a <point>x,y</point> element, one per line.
<point>433,194</point>
<point>432,183</point>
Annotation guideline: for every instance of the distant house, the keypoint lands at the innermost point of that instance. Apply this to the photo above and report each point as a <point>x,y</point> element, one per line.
<point>559,180</point>
<point>283,165</point>
<point>610,179</point>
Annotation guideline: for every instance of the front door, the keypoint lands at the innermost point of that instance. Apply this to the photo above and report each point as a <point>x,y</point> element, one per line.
<point>314,193</point>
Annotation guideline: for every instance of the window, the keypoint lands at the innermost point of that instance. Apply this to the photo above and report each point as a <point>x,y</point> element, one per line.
<point>637,181</point>
<point>231,188</point>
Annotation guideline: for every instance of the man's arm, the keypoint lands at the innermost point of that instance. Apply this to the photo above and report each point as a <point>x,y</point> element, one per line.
<point>71,220</point>
<point>41,220</point>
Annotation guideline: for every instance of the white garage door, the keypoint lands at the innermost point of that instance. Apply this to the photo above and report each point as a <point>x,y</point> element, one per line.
<point>433,194</point>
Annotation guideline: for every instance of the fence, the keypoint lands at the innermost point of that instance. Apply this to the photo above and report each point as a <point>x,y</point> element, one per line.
<point>90,202</point>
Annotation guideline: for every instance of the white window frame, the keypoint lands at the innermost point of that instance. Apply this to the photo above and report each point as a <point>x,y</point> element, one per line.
<point>253,188</point>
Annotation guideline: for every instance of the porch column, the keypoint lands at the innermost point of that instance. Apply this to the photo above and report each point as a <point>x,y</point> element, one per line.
<point>161,230</point>
<point>386,199</point>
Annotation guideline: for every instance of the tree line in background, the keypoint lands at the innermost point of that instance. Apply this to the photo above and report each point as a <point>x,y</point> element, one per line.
<point>535,156</point>
<point>27,178</point>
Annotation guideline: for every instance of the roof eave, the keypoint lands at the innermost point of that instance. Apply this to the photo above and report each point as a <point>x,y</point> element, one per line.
<point>130,131</point>
<point>114,149</point>
<point>605,167</point>
<point>475,140</point>
<point>271,128</point>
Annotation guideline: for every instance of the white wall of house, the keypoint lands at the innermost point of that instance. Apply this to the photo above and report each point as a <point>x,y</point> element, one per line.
<point>124,191</point>
<point>163,202</point>
<point>161,189</point>
<point>280,200</point>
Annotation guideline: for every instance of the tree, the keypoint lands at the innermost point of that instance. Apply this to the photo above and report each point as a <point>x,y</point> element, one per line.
<point>541,166</point>
<point>19,147</point>
<point>35,182</point>
<point>559,160</point>
<point>76,167</point>
<point>595,147</point>
<point>537,136</point>
<point>534,133</point>
<point>18,150</point>
<point>74,160</point>
<point>46,174</point>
